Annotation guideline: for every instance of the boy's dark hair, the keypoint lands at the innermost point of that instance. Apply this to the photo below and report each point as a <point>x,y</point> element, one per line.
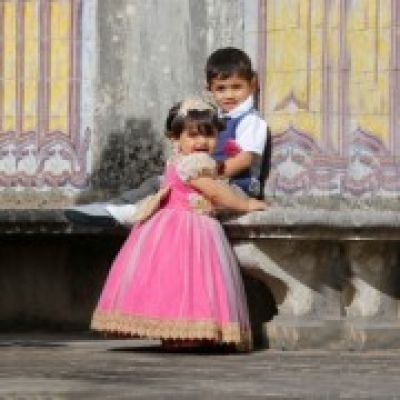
<point>205,121</point>
<point>225,62</point>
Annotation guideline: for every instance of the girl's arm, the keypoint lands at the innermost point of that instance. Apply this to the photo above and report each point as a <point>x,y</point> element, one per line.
<point>222,195</point>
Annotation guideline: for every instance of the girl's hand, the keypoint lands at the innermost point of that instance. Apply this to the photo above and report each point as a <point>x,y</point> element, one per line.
<point>256,205</point>
<point>164,192</point>
<point>151,204</point>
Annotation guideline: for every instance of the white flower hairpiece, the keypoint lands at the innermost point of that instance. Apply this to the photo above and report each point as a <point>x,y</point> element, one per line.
<point>194,104</point>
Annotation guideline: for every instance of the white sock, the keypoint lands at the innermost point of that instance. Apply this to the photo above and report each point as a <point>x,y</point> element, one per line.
<point>123,213</point>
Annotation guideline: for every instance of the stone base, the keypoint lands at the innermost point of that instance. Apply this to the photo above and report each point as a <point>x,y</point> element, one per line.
<point>366,335</point>
<point>296,334</point>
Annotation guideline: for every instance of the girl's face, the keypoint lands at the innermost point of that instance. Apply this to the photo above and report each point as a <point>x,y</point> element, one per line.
<point>231,92</point>
<point>192,140</point>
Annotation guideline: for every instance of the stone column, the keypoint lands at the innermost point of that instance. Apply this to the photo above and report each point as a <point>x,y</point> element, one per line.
<point>299,274</point>
<point>370,297</point>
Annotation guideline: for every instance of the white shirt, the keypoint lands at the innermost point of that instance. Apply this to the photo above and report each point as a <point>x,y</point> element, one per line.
<point>251,132</point>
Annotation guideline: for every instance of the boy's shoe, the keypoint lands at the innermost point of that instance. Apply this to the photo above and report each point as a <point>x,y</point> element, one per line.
<point>124,214</point>
<point>94,214</point>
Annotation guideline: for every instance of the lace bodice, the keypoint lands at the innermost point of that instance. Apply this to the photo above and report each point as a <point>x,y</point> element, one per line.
<point>180,170</point>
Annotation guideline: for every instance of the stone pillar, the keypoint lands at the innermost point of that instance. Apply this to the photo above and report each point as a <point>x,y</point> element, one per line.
<point>370,297</point>
<point>300,275</point>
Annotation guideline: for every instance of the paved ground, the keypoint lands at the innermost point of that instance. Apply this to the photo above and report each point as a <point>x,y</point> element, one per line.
<point>83,367</point>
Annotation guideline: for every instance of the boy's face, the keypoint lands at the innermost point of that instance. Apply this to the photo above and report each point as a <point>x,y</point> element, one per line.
<point>230,92</point>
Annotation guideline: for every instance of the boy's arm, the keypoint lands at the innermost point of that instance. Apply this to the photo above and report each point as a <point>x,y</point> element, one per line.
<point>251,136</point>
<point>236,164</point>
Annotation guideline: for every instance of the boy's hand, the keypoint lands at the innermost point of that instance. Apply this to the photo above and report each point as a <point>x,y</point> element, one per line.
<point>231,148</point>
<point>256,205</point>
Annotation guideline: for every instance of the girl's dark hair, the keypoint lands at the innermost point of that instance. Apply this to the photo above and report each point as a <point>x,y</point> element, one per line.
<point>205,121</point>
<point>228,61</point>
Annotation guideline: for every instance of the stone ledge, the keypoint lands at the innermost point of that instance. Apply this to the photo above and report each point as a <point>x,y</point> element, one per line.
<point>277,222</point>
<point>286,216</point>
<point>43,221</point>
<point>298,223</point>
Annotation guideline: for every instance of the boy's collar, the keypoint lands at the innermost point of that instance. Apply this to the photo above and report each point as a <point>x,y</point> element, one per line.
<point>242,108</point>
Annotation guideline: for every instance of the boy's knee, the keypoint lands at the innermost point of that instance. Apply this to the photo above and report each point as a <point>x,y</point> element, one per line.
<point>148,187</point>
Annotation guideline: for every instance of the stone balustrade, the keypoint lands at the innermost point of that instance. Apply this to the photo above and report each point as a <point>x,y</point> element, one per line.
<point>334,275</point>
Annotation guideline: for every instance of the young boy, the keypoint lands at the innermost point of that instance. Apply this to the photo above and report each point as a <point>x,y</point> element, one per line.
<point>232,83</point>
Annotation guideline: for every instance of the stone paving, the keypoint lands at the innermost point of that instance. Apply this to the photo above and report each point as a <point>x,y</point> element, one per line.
<point>39,366</point>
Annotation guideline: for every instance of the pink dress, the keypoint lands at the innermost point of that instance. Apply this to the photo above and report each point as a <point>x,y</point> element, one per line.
<point>176,276</point>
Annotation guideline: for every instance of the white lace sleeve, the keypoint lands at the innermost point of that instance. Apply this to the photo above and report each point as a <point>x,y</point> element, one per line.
<point>195,165</point>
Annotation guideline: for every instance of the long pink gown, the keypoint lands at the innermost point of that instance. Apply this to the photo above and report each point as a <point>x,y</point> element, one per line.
<point>176,276</point>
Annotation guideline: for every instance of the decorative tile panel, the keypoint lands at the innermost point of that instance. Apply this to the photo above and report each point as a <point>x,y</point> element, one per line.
<point>42,142</point>
<point>330,84</point>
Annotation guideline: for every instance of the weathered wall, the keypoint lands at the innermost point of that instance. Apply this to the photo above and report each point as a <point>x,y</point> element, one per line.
<point>151,54</point>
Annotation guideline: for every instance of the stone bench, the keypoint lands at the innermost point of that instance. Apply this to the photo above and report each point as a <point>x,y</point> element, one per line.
<point>333,275</point>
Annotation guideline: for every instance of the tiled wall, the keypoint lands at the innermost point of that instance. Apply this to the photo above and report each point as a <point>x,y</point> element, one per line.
<point>42,139</point>
<point>330,84</point>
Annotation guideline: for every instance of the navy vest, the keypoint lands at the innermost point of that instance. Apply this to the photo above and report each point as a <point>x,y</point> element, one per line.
<point>244,179</point>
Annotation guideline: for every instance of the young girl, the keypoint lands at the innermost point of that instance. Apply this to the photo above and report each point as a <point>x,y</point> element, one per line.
<point>176,277</point>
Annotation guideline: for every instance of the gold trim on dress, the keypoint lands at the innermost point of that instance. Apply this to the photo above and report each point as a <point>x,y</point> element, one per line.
<point>158,328</point>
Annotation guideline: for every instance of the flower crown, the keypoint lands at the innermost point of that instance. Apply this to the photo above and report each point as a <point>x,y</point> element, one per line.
<point>194,104</point>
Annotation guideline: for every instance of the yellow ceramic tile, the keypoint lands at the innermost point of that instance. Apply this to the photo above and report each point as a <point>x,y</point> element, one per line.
<point>308,122</point>
<point>58,106</point>
<point>302,122</point>
<point>377,125</point>
<point>370,94</point>
<point>303,13</point>
<point>362,14</point>
<point>283,14</point>
<point>60,19</point>
<point>315,91</point>
<point>334,14</point>
<point>31,67</point>
<point>278,123</point>
<point>315,49</point>
<point>317,13</point>
<point>9,59</point>
<point>10,16</point>
<point>31,19</point>
<point>270,16</point>
<point>30,103</point>
<point>287,50</point>
<point>59,66</point>
<point>383,57</point>
<point>9,107</point>
<point>362,49</point>
<point>281,86</point>
<point>385,16</point>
